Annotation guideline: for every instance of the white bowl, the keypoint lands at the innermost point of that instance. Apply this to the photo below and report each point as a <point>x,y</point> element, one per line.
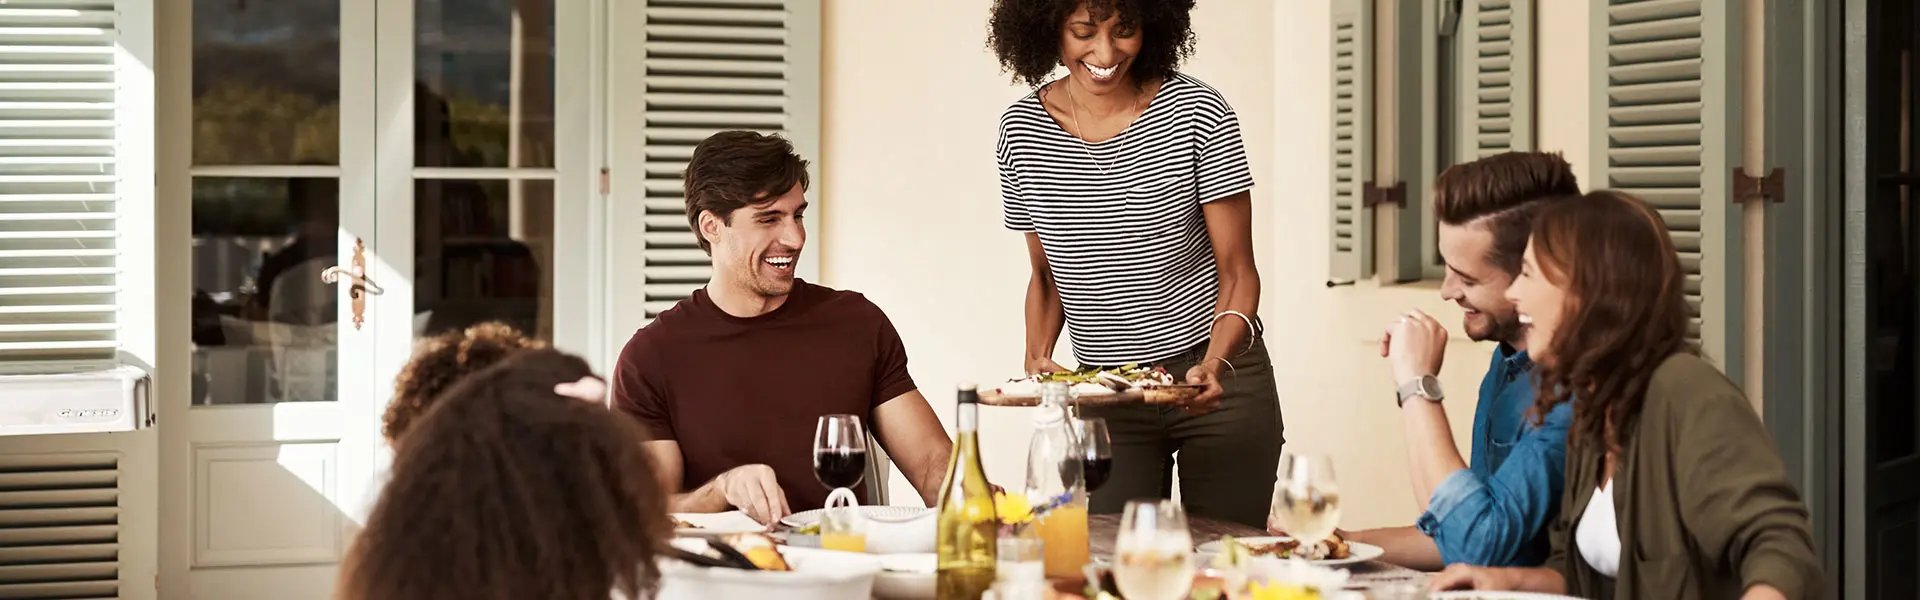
<point>906,577</point>
<point>816,575</point>
<point>890,529</point>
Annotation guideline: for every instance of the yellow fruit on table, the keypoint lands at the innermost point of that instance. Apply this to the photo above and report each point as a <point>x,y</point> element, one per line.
<point>1280,591</point>
<point>767,558</point>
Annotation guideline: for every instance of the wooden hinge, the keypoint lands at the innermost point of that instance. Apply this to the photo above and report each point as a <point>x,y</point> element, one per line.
<point>1373,195</point>
<point>1746,187</point>
<point>606,181</point>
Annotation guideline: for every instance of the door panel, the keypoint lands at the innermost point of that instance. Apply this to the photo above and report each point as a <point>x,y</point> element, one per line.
<point>425,149</point>
<point>1892,327</point>
<point>272,453</point>
<point>267,504</point>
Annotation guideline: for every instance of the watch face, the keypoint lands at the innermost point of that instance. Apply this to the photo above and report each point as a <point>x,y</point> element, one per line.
<point>1430,387</point>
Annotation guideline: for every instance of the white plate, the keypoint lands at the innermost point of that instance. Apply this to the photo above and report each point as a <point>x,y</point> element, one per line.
<point>906,576</point>
<point>1491,595</point>
<point>872,513</point>
<point>890,529</point>
<point>713,524</point>
<point>1359,552</point>
<point>816,575</point>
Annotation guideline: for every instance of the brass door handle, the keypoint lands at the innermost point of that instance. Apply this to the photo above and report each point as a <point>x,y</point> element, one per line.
<point>357,275</point>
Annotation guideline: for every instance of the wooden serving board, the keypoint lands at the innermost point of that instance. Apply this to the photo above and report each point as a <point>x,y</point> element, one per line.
<point>1167,394</point>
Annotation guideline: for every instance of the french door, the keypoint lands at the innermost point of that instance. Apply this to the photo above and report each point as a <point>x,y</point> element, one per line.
<point>361,173</point>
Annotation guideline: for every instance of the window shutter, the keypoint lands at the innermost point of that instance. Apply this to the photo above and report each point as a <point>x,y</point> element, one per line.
<point>1662,79</point>
<point>1496,78</point>
<point>711,66</point>
<point>60,526</point>
<point>58,181</point>
<point>1351,239</point>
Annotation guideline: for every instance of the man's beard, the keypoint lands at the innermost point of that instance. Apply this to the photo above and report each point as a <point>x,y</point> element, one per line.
<point>1499,328</point>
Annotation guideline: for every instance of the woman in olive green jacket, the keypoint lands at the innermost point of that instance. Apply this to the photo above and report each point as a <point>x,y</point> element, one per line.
<point>1673,486</point>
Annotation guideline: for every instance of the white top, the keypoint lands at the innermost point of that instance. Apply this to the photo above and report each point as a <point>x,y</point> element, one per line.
<point>1598,534</point>
<point>1120,219</point>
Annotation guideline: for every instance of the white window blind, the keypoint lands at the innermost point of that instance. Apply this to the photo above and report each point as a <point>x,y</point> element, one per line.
<point>60,526</point>
<point>711,66</point>
<point>58,180</point>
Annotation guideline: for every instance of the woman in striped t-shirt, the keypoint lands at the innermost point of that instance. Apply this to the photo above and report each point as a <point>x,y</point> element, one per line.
<point>1131,184</point>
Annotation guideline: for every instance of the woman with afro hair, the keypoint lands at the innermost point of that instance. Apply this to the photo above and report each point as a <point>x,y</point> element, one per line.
<point>1131,183</point>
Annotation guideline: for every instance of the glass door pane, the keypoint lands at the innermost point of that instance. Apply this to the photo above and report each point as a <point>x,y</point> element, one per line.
<point>266,200</point>
<point>263,322</point>
<point>485,83</point>
<point>483,195</point>
<point>484,252</point>
<point>266,82</point>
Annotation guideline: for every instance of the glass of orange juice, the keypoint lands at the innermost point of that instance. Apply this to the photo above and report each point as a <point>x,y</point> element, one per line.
<point>841,528</point>
<point>1063,533</point>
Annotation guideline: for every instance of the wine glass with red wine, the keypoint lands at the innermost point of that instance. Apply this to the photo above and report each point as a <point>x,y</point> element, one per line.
<point>839,451</point>
<point>1096,460</point>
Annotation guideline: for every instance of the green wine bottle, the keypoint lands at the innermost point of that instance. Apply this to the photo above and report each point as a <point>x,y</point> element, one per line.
<point>969,530</point>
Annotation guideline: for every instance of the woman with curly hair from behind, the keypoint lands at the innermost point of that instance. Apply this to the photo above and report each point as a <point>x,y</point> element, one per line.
<point>1131,183</point>
<point>509,489</point>
<point>443,360</point>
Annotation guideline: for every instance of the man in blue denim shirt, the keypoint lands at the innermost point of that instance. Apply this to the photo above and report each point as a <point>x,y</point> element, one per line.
<point>1496,511</point>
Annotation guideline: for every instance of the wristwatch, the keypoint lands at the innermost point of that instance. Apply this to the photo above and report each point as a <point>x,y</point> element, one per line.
<point>1424,385</point>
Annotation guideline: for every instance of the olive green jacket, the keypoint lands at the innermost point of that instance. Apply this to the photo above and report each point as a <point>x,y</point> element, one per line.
<point>1702,500</point>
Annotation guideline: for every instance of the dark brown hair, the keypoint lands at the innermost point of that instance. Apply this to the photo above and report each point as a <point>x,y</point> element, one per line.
<point>735,169</point>
<point>1025,35</point>
<point>1626,309</point>
<point>1503,192</point>
<point>443,360</point>
<point>506,490</point>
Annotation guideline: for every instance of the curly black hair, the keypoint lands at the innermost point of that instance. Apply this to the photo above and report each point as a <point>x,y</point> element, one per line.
<point>1025,35</point>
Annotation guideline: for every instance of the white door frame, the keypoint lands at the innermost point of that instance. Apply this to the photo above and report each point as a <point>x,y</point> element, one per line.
<point>376,112</point>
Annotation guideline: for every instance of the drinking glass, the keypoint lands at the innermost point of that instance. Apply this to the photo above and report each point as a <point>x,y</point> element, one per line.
<point>839,462</point>
<point>1153,551</point>
<point>1306,501</point>
<point>1097,446</point>
<point>839,451</point>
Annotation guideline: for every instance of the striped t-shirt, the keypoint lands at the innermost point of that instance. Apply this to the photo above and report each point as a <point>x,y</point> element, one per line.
<point>1120,219</point>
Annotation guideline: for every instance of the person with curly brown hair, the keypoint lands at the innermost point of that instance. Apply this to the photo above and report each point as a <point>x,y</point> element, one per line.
<point>1131,183</point>
<point>508,489</point>
<point>440,362</point>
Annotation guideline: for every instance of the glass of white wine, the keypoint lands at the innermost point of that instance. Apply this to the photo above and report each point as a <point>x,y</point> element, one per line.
<point>1153,552</point>
<point>1306,501</point>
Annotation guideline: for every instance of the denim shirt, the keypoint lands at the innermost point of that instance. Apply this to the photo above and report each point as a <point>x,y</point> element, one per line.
<point>1496,512</point>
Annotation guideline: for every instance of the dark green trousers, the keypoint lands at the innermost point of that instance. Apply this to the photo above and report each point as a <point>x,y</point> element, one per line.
<point>1227,458</point>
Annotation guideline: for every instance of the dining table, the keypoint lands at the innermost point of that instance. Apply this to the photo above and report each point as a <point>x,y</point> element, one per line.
<point>1370,575</point>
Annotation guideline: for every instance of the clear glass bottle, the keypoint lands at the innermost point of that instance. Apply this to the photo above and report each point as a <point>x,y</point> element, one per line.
<point>1055,483</point>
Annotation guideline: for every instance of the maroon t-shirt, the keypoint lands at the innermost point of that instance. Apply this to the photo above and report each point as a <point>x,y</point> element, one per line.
<point>736,391</point>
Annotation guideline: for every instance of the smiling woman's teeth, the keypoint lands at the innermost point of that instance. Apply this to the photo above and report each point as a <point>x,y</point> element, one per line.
<point>1100,72</point>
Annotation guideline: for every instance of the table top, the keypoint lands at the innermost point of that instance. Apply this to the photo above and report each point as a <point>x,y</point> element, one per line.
<point>1101,530</point>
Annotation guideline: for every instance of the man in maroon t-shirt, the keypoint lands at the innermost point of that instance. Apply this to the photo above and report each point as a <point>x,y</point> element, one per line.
<point>731,381</point>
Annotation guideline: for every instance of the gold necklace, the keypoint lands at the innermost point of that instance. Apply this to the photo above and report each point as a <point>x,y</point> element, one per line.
<point>1073,108</point>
